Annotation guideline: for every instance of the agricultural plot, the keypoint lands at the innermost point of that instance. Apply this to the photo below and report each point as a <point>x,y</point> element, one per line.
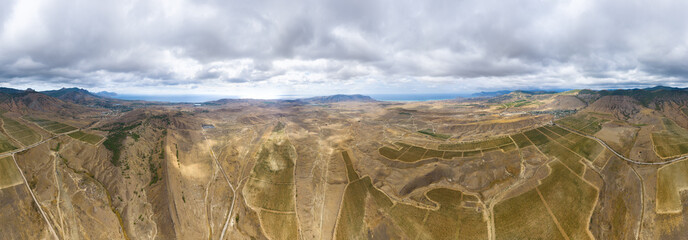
<point>524,217</point>
<point>351,173</point>
<point>351,217</point>
<point>410,153</point>
<point>432,133</point>
<point>570,199</point>
<point>527,216</point>
<point>51,126</point>
<point>5,144</point>
<point>86,137</point>
<point>270,188</point>
<point>9,174</point>
<point>521,140</point>
<point>671,180</point>
<point>554,149</point>
<point>583,123</point>
<point>477,145</point>
<point>450,221</point>
<point>583,146</point>
<point>672,141</point>
<point>18,131</point>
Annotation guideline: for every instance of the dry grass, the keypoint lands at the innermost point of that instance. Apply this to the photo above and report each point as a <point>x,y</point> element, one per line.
<point>9,174</point>
<point>671,180</point>
<point>673,141</point>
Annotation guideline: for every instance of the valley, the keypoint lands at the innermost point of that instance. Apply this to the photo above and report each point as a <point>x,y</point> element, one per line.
<point>571,165</point>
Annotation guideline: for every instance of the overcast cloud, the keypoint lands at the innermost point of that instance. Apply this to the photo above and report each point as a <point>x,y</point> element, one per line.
<point>261,48</point>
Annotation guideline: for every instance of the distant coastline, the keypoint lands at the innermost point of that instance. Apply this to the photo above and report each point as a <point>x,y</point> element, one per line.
<point>412,97</point>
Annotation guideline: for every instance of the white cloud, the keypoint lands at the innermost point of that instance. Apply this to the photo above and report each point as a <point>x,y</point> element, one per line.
<point>322,47</point>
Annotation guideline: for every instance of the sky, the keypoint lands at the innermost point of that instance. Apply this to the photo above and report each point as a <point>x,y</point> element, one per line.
<point>263,49</point>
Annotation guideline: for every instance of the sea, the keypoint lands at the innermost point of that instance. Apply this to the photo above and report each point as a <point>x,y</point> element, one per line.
<point>412,97</point>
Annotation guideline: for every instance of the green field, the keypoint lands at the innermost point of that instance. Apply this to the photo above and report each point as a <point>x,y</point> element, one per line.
<point>583,122</point>
<point>86,137</point>
<point>450,221</point>
<point>409,153</point>
<point>583,146</point>
<point>20,132</point>
<point>51,126</point>
<point>5,144</point>
<point>431,133</point>
<point>555,149</point>
<point>476,145</point>
<point>671,180</point>
<point>350,172</point>
<point>569,198</point>
<point>521,140</point>
<point>270,188</point>
<point>351,223</point>
<point>9,174</point>
<point>524,217</point>
<point>672,141</point>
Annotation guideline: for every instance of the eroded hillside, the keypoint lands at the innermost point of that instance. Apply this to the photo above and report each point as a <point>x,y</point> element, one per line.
<point>572,165</point>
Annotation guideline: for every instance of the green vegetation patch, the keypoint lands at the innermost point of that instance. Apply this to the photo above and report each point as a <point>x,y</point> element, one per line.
<point>671,180</point>
<point>413,154</point>
<point>350,172</point>
<point>431,153</point>
<point>20,132</point>
<point>672,141</point>
<point>476,145</point>
<point>86,137</point>
<point>432,133</point>
<point>114,144</point>
<point>410,153</point>
<point>521,140</point>
<point>9,174</point>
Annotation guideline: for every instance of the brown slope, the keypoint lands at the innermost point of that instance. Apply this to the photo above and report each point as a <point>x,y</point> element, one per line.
<point>621,107</point>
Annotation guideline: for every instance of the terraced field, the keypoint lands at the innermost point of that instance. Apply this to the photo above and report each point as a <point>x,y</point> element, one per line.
<point>20,132</point>
<point>270,188</point>
<point>9,174</point>
<point>86,137</point>
<point>477,145</point>
<point>671,180</point>
<point>672,141</point>
<point>409,153</point>
<point>51,126</point>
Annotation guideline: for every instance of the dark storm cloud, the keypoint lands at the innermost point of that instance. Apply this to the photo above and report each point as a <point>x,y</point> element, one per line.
<point>472,44</point>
